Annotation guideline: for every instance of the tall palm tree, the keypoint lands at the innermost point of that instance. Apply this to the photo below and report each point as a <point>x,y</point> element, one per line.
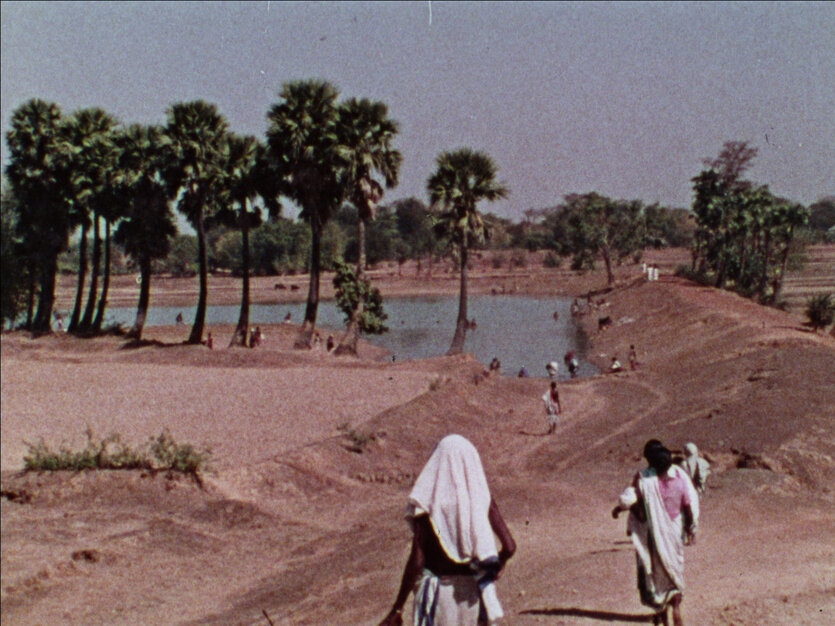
<point>462,179</point>
<point>88,132</point>
<point>38,173</point>
<point>365,146</point>
<point>245,176</point>
<point>148,227</point>
<point>196,134</point>
<point>302,147</point>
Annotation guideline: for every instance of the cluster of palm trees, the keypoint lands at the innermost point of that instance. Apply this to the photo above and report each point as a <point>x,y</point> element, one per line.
<point>85,171</point>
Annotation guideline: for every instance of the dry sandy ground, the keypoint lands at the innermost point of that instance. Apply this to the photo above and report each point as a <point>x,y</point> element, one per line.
<point>291,523</point>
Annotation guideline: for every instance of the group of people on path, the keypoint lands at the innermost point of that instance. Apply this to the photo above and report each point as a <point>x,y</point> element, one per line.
<point>453,562</point>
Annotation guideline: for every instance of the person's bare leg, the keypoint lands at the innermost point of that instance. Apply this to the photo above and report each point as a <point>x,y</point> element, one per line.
<point>677,620</point>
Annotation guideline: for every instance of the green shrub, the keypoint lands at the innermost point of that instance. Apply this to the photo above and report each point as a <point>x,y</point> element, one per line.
<point>820,310</point>
<point>551,260</point>
<point>518,258</point>
<point>111,453</point>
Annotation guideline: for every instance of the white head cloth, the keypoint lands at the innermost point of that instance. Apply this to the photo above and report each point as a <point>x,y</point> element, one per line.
<point>452,490</point>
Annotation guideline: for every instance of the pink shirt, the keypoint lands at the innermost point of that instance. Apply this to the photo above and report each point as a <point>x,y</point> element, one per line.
<point>674,492</point>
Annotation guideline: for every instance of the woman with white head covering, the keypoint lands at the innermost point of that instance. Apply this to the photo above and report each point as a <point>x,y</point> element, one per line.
<point>696,467</point>
<point>453,561</point>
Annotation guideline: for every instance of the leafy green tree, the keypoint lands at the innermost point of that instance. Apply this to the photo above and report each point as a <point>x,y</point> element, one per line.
<point>38,173</point>
<point>304,153</point>
<point>350,291</point>
<point>461,180</point>
<point>181,260</point>
<point>414,226</point>
<point>194,175</point>
<point>14,269</point>
<point>599,226</point>
<point>148,227</point>
<point>365,134</point>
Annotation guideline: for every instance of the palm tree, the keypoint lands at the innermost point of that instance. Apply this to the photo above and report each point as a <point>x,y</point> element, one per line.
<point>148,227</point>
<point>302,147</point>
<point>196,134</point>
<point>462,179</point>
<point>365,137</point>
<point>88,134</point>
<point>245,175</point>
<point>38,173</point>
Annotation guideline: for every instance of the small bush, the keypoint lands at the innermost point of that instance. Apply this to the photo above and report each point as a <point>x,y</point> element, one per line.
<point>357,439</point>
<point>820,310</point>
<point>110,453</point>
<point>497,261</point>
<point>519,258</point>
<point>685,271</point>
<point>551,260</point>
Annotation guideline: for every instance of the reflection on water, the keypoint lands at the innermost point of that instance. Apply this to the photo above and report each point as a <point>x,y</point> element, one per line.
<point>520,331</point>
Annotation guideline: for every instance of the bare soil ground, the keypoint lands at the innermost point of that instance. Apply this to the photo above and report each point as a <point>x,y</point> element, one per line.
<point>289,521</point>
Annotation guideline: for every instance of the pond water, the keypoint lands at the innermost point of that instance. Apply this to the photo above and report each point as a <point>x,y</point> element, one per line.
<point>520,331</point>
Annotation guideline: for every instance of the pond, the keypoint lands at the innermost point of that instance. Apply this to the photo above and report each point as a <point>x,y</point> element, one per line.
<point>520,331</point>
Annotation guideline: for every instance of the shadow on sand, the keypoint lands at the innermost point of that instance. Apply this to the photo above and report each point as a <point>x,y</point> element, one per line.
<point>605,616</point>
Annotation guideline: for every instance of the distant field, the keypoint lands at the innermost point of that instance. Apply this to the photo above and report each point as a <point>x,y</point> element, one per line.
<point>816,276</point>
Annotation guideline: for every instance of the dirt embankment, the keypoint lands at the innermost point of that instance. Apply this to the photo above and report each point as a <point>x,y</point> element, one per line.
<point>292,522</point>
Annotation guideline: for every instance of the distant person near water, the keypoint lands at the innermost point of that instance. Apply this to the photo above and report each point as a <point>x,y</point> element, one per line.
<point>553,369</point>
<point>571,363</point>
<point>615,367</point>
<point>633,358</point>
<point>495,365</point>
<point>453,563</point>
<point>523,373</point>
<point>663,516</point>
<point>553,408</point>
<point>179,319</point>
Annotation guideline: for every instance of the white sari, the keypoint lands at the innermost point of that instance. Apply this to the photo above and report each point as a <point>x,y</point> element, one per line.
<point>658,542</point>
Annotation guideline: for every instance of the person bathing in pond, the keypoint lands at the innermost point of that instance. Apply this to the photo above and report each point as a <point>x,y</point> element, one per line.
<point>495,365</point>
<point>453,561</point>
<point>551,398</point>
<point>571,363</point>
<point>663,516</point>
<point>697,468</point>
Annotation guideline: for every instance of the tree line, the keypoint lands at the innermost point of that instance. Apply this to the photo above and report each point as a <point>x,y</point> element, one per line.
<point>120,186</point>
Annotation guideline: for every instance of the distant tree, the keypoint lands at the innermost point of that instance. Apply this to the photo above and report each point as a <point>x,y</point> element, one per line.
<point>599,226</point>
<point>148,228</point>
<point>88,132</point>
<point>196,137</point>
<point>38,173</point>
<point>743,233</point>
<point>304,152</point>
<point>822,219</point>
<point>414,226</point>
<point>461,180</point>
<point>14,268</point>
<point>365,134</point>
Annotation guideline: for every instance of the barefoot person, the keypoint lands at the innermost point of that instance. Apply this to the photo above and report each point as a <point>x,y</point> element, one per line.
<point>663,515</point>
<point>553,408</point>
<point>453,561</point>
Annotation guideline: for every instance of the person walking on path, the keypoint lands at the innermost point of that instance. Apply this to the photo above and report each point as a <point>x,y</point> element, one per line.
<point>553,408</point>
<point>453,562</point>
<point>663,516</point>
<point>697,468</point>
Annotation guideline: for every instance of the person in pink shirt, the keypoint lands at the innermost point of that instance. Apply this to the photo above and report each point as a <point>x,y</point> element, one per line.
<point>663,516</point>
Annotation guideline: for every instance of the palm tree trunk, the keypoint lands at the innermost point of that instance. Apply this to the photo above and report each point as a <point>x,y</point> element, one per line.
<point>766,261</point>
<point>43,318</point>
<point>242,330</point>
<point>30,301</point>
<point>607,261</point>
<point>105,287</point>
<point>196,336</point>
<point>462,324</point>
<point>82,274</point>
<point>87,319</point>
<point>349,342</point>
<point>303,341</point>
<point>144,299</point>
<point>784,265</point>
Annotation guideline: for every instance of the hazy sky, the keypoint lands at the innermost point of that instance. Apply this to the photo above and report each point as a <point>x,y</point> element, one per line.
<point>624,98</point>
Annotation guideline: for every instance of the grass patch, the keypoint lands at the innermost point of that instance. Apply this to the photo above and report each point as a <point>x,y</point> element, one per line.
<point>160,453</point>
<point>357,440</point>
